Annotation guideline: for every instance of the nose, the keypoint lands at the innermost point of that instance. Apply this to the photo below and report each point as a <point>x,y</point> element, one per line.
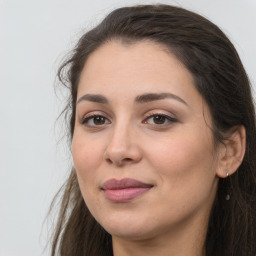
<point>123,147</point>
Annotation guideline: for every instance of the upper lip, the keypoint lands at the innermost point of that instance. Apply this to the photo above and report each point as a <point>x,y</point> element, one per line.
<point>114,184</point>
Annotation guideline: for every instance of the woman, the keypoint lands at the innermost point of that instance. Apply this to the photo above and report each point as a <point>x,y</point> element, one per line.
<point>162,127</point>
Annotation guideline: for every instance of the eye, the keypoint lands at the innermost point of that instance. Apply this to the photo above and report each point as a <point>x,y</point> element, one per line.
<point>95,120</point>
<point>159,119</point>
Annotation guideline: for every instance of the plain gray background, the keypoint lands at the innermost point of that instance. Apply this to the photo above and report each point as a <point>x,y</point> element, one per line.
<point>35,35</point>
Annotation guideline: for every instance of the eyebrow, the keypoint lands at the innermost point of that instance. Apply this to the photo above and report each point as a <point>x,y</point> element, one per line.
<point>94,98</point>
<point>144,98</point>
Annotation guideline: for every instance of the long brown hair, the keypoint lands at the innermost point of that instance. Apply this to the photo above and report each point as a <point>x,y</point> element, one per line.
<point>221,80</point>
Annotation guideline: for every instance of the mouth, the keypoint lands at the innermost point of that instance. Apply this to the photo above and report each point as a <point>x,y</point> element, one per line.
<point>124,190</point>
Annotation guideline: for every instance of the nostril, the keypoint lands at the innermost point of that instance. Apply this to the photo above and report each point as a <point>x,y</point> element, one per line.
<point>127,159</point>
<point>109,161</point>
<point>119,161</point>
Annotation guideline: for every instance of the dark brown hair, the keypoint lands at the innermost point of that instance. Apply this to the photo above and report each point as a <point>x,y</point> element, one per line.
<point>221,80</point>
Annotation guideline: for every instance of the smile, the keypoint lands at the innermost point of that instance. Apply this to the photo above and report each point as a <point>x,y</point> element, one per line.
<point>125,190</point>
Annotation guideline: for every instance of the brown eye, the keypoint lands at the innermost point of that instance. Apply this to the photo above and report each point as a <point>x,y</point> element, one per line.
<point>159,119</point>
<point>99,120</point>
<point>95,120</point>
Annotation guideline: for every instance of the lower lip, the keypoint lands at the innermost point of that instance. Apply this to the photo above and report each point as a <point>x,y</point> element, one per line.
<point>124,195</point>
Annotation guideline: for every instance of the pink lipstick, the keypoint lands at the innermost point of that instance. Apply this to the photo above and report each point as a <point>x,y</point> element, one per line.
<point>124,190</point>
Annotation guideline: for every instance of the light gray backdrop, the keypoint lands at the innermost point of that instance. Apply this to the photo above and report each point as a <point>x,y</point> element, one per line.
<point>34,37</point>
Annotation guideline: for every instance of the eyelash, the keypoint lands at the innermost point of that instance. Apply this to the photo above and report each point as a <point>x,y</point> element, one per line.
<point>92,117</point>
<point>166,118</point>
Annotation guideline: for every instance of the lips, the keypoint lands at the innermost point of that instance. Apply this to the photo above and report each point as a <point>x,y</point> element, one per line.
<point>124,190</point>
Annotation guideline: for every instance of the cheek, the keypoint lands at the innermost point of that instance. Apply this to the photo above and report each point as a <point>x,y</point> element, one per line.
<point>87,156</point>
<point>186,176</point>
<point>184,160</point>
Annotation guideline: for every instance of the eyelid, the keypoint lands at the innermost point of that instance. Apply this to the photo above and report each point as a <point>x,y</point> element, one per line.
<point>155,112</point>
<point>93,114</point>
<point>160,113</point>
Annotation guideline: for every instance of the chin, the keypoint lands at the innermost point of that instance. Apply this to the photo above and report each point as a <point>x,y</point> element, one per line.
<point>126,227</point>
<point>128,233</point>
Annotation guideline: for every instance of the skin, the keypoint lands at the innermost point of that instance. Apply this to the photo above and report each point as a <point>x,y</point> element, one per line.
<point>178,157</point>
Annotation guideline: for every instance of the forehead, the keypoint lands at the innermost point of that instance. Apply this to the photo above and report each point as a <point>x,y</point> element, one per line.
<point>141,64</point>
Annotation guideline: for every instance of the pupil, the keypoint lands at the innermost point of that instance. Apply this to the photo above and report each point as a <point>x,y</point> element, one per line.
<point>159,119</point>
<point>99,120</point>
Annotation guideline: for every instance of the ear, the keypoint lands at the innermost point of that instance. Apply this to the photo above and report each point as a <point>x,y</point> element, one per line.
<point>231,153</point>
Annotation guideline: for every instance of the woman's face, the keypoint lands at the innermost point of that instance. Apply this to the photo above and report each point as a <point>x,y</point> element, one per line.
<point>142,146</point>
